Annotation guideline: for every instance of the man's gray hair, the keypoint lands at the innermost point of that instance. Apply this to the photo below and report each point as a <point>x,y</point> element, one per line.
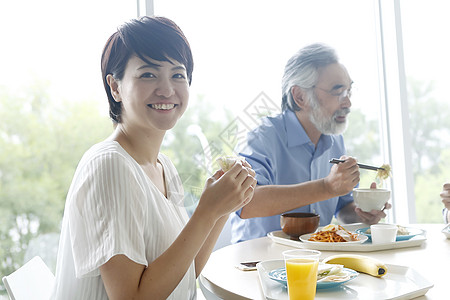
<point>301,70</point>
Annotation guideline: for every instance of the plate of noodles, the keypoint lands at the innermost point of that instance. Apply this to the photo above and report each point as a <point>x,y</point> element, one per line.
<point>334,234</point>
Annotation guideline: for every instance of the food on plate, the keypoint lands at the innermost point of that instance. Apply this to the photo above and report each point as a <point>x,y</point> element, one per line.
<point>226,162</point>
<point>384,172</point>
<point>332,273</point>
<point>359,263</point>
<point>333,234</point>
<point>400,230</point>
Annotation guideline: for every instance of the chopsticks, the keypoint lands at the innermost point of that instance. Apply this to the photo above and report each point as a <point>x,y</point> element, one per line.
<point>362,166</point>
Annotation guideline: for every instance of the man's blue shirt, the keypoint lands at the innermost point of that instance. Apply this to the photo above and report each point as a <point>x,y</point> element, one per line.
<point>281,153</point>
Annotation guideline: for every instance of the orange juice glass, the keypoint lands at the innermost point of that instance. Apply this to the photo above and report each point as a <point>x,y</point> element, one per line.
<point>301,271</point>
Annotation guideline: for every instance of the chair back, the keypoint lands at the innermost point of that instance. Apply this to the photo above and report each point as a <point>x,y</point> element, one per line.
<point>33,280</point>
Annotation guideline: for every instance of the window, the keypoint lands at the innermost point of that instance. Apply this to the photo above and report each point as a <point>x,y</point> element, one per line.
<point>399,106</point>
<point>426,67</point>
<point>52,107</point>
<point>240,49</point>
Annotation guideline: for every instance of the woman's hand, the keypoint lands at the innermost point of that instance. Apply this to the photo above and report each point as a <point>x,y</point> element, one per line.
<point>227,192</point>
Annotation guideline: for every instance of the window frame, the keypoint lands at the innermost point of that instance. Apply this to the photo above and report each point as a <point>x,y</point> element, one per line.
<point>145,8</point>
<point>396,139</point>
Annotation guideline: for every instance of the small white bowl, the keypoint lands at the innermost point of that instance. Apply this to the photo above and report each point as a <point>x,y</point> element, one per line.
<point>383,233</point>
<point>369,199</point>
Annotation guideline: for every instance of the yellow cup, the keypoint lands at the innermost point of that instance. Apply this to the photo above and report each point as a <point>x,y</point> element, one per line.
<point>301,272</point>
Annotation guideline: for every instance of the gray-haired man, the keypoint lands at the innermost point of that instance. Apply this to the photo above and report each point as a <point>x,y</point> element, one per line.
<point>290,152</point>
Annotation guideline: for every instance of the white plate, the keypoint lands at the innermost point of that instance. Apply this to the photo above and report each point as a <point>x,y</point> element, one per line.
<point>399,283</point>
<point>361,239</point>
<point>282,238</point>
<point>412,233</point>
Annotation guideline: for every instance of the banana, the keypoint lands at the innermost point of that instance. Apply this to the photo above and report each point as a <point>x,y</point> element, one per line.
<point>360,263</point>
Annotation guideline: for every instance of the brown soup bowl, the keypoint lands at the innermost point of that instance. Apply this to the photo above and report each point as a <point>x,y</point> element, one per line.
<point>297,224</point>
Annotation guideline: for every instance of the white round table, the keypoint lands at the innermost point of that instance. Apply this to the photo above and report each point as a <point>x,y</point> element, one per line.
<point>220,278</point>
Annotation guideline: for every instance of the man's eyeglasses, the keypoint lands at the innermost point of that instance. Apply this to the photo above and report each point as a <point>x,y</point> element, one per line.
<point>342,94</point>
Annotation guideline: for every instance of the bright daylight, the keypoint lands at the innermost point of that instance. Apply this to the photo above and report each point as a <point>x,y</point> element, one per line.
<point>195,149</point>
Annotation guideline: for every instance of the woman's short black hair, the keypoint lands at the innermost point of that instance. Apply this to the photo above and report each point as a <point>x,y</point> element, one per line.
<point>157,38</point>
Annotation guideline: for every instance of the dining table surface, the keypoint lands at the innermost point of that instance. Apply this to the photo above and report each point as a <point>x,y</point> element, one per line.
<point>221,279</point>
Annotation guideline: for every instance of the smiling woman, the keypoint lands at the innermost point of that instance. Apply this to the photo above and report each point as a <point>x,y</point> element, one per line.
<point>113,72</point>
<point>168,80</point>
<point>126,232</point>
